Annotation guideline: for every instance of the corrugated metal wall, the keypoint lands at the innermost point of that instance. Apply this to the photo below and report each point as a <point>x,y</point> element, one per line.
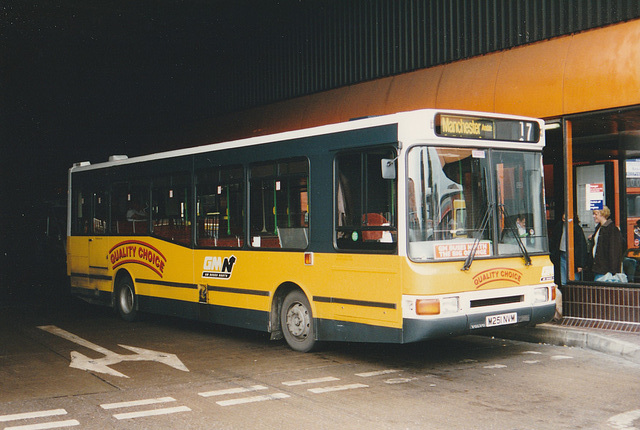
<point>301,47</point>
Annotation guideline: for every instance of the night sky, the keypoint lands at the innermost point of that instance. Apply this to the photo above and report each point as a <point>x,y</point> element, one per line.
<point>84,79</point>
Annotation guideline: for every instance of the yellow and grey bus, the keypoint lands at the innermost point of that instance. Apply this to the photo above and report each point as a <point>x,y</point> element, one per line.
<point>397,228</point>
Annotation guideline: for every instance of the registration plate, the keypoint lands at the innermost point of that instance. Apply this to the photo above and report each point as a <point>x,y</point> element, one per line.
<point>502,319</point>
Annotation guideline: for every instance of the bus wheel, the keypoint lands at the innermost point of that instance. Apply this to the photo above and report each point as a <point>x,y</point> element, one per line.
<point>297,322</point>
<point>126,299</point>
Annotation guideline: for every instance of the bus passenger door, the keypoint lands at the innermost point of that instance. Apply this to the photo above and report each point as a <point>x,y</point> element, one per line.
<point>98,264</point>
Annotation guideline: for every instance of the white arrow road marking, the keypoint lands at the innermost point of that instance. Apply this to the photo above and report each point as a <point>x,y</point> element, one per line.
<point>101,365</point>
<point>625,421</point>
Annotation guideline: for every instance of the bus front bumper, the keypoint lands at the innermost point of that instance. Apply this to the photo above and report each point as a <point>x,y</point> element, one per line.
<point>415,330</point>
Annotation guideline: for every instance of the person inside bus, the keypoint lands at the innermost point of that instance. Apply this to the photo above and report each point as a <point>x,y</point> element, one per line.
<point>521,224</point>
<point>606,245</point>
<point>559,249</point>
<point>135,212</point>
<point>514,227</point>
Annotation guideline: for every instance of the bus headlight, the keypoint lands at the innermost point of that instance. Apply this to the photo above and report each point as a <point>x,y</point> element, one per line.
<point>541,295</point>
<point>449,305</point>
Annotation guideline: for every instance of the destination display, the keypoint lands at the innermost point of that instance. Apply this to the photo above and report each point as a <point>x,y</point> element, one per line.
<point>469,127</point>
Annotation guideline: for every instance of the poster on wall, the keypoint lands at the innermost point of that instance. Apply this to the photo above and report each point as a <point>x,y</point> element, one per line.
<point>594,197</point>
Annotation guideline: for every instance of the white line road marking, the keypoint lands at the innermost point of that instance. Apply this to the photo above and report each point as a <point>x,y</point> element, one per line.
<point>28,415</point>
<point>399,380</point>
<point>232,391</point>
<point>377,373</point>
<point>101,365</point>
<point>151,412</point>
<point>137,403</point>
<point>336,388</point>
<point>252,399</point>
<point>531,361</point>
<point>625,421</point>
<point>561,357</point>
<point>45,426</point>
<point>533,352</point>
<point>310,381</point>
<point>495,366</point>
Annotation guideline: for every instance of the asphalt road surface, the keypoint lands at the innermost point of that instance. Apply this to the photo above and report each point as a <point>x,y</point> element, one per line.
<point>73,365</point>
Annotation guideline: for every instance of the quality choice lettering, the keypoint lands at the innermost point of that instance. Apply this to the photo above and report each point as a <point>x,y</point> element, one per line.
<point>137,252</point>
<point>497,274</point>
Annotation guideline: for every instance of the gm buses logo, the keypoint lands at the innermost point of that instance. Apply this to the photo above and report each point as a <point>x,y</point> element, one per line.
<point>497,274</point>
<point>137,252</point>
<point>217,267</point>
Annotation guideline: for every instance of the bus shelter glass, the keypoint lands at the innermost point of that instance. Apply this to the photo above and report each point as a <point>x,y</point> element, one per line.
<point>461,199</point>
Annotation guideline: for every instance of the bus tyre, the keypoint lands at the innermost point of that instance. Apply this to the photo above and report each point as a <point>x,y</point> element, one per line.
<point>297,322</point>
<point>126,300</point>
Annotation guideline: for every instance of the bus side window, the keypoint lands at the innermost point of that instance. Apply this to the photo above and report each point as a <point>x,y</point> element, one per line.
<point>130,208</point>
<point>365,203</point>
<point>81,203</point>
<point>220,207</point>
<point>100,222</point>
<point>279,204</point>
<point>171,208</point>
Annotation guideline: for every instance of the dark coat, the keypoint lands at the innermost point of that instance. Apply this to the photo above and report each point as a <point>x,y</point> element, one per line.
<point>608,257</point>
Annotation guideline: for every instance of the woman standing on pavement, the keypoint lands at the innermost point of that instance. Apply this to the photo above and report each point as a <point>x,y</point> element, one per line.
<point>606,245</point>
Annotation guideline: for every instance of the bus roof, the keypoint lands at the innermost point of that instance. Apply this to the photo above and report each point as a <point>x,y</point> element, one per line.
<point>354,124</point>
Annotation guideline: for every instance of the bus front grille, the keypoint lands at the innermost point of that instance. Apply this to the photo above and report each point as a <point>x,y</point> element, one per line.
<point>496,301</point>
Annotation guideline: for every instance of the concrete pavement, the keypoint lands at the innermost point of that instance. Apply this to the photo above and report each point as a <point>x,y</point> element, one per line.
<point>615,343</point>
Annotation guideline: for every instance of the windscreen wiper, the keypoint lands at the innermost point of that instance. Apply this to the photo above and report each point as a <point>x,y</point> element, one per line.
<point>483,223</point>
<point>514,231</point>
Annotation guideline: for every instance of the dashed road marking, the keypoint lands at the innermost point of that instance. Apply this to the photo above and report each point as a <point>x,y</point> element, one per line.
<point>495,366</point>
<point>45,426</point>
<point>143,402</point>
<point>39,414</point>
<point>531,361</point>
<point>29,415</point>
<point>244,400</point>
<point>145,413</point>
<point>377,373</point>
<point>337,388</point>
<point>625,420</point>
<point>561,357</point>
<point>232,391</point>
<point>151,412</point>
<point>399,380</point>
<point>310,381</point>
